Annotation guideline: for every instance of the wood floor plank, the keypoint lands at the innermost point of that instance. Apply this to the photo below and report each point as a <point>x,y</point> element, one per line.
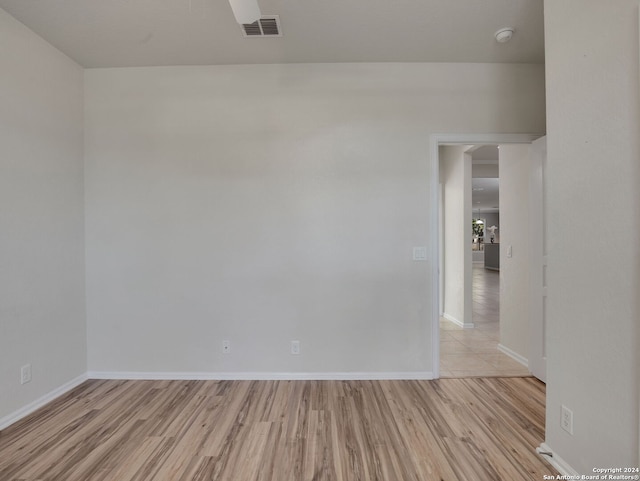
<point>446,430</point>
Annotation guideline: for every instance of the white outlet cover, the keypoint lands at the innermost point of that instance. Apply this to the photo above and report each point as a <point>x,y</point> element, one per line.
<point>25,374</point>
<point>295,347</point>
<point>566,419</point>
<point>420,253</point>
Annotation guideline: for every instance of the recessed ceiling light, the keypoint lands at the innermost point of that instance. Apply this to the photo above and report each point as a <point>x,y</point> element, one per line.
<point>504,34</point>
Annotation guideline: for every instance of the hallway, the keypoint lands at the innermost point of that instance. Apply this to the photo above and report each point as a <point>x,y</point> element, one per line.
<point>474,352</point>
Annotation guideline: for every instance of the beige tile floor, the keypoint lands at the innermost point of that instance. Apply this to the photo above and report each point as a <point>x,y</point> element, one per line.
<point>474,352</point>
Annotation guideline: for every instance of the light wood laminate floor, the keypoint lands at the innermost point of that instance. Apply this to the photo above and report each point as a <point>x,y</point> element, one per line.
<point>449,429</point>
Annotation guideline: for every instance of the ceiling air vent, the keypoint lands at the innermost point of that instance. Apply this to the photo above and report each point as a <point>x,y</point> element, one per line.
<point>267,26</point>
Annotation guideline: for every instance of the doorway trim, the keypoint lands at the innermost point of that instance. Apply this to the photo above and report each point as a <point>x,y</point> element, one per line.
<point>435,140</point>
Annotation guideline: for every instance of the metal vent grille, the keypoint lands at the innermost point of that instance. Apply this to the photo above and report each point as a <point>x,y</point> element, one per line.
<point>267,26</point>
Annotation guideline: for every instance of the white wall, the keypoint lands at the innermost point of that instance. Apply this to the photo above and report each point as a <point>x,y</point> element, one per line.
<point>42,319</point>
<point>593,312</point>
<point>455,176</point>
<point>514,232</point>
<point>485,171</point>
<point>268,203</point>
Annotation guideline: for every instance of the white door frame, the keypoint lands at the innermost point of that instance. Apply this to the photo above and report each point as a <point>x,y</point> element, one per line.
<point>436,140</point>
<point>537,260</point>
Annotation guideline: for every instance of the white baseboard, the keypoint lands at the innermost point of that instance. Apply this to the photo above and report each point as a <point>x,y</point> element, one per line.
<point>261,376</point>
<point>556,461</point>
<point>463,325</point>
<point>23,412</point>
<point>513,355</point>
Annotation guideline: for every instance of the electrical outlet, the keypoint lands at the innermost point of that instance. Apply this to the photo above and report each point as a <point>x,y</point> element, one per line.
<point>25,374</point>
<point>295,347</point>
<point>566,419</point>
<point>420,253</point>
<point>226,347</point>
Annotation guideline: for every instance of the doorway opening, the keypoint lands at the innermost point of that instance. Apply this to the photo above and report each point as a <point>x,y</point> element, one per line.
<point>468,333</point>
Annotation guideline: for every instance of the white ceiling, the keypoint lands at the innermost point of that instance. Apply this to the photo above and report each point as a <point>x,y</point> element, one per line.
<point>485,153</point>
<point>486,189</point>
<point>485,195</point>
<point>120,33</point>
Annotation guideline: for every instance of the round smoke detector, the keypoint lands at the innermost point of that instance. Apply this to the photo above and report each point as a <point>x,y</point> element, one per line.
<point>504,34</point>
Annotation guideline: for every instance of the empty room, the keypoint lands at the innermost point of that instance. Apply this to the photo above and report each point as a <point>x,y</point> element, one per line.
<point>221,233</point>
